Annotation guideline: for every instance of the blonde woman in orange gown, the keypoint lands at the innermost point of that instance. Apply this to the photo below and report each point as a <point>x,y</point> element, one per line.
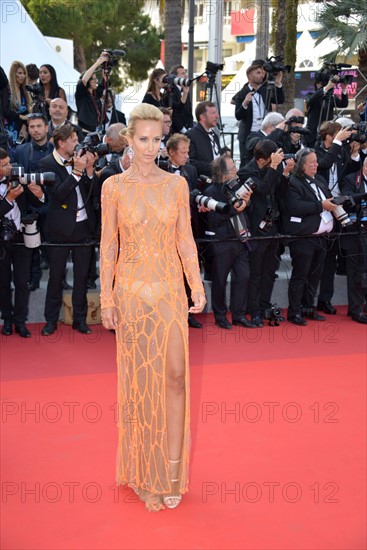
<point>145,246</point>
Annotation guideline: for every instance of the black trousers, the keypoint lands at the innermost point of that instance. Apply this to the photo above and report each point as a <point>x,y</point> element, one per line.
<point>57,257</point>
<point>327,278</point>
<point>355,249</point>
<point>308,257</point>
<point>264,261</point>
<point>229,256</point>
<point>15,263</point>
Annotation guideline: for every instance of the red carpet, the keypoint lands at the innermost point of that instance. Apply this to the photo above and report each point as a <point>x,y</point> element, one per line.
<point>278,451</point>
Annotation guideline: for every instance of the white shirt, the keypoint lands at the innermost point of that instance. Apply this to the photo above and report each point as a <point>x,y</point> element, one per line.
<point>81,214</point>
<point>326,223</point>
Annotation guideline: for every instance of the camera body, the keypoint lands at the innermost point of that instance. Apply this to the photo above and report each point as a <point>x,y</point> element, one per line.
<point>92,143</point>
<point>7,230</point>
<point>331,71</point>
<point>234,190</point>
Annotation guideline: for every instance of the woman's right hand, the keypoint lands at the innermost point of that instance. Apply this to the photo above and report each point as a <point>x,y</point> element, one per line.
<point>110,318</point>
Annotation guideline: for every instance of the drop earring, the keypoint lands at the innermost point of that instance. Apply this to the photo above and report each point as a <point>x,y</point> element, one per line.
<point>130,153</point>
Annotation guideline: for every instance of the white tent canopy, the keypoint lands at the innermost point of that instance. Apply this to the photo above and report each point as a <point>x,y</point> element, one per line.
<point>21,40</point>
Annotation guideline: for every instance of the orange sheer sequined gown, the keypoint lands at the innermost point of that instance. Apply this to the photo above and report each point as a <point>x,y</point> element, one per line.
<point>146,240</point>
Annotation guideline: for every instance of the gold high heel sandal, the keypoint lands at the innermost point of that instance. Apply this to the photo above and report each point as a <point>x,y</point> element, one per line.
<point>172,501</point>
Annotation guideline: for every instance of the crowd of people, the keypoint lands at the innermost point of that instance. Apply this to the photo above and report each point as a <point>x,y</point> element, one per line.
<point>292,171</point>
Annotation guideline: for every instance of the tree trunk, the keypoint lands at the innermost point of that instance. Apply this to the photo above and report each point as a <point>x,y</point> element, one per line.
<point>79,58</point>
<point>290,53</point>
<point>172,33</point>
<point>262,29</point>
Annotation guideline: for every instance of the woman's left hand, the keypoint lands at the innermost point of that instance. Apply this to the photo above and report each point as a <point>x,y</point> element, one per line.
<point>199,302</point>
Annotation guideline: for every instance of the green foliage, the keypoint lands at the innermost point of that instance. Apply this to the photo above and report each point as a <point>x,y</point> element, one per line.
<point>346,22</point>
<point>98,24</point>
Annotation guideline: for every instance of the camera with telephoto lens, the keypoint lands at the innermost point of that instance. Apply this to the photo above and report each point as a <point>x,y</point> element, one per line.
<point>18,176</point>
<point>31,233</point>
<point>275,65</point>
<point>331,72</point>
<point>173,79</point>
<point>339,213</point>
<point>7,230</point>
<point>235,191</point>
<point>296,129</point>
<point>92,143</point>
<point>202,200</point>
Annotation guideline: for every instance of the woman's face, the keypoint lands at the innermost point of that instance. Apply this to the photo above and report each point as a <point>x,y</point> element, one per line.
<point>93,83</point>
<point>160,82</point>
<point>45,75</point>
<point>146,140</point>
<point>20,76</point>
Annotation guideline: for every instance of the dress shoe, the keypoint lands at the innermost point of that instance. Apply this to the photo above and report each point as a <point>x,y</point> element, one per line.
<point>32,286</point>
<point>65,285</point>
<point>91,284</point>
<point>81,327</point>
<point>7,329</point>
<point>257,320</point>
<point>22,331</point>
<point>297,320</point>
<point>194,323</point>
<point>360,318</point>
<point>314,316</point>
<point>223,323</point>
<point>243,322</point>
<point>49,328</point>
<point>326,307</point>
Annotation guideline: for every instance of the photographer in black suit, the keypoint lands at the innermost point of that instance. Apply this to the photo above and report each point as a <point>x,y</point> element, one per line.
<point>250,103</point>
<point>14,202</point>
<point>70,219</point>
<point>230,252</point>
<point>308,211</point>
<point>271,180</point>
<point>355,246</point>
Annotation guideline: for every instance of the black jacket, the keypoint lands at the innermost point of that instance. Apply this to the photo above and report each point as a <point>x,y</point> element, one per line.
<point>271,187</point>
<point>321,107</point>
<point>303,206</point>
<point>181,112</point>
<point>89,107</point>
<point>221,224</point>
<point>245,115</point>
<point>201,151</point>
<point>335,154</point>
<point>61,217</point>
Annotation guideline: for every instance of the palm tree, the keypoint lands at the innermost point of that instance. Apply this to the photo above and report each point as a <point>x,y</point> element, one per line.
<point>173,15</point>
<point>346,22</point>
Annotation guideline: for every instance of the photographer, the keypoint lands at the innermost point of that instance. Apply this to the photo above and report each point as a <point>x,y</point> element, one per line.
<point>355,246</point>
<point>88,96</point>
<point>182,119</point>
<point>250,103</point>
<point>154,95</point>
<point>271,181</point>
<point>308,211</point>
<point>71,220</point>
<point>230,252</point>
<point>29,156</point>
<point>268,126</point>
<point>290,134</point>
<point>322,103</point>
<point>15,201</point>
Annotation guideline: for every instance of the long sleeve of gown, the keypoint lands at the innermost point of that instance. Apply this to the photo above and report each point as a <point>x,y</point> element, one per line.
<point>109,242</point>
<point>185,241</point>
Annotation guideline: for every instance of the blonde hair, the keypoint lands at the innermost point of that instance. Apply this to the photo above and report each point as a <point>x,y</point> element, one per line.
<point>143,111</point>
<point>15,95</point>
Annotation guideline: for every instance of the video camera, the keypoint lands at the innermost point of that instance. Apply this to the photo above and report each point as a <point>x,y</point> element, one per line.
<point>331,71</point>
<point>112,61</point>
<point>18,176</point>
<point>275,65</point>
<point>211,70</point>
